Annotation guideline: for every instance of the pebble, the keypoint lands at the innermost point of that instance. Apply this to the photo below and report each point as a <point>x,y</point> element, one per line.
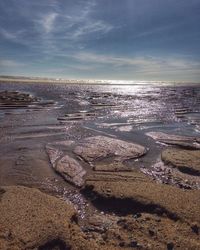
<point>151,232</point>
<point>133,243</point>
<point>195,228</point>
<point>170,246</point>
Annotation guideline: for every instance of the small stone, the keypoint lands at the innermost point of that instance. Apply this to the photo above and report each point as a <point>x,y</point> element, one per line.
<point>170,246</point>
<point>195,228</point>
<point>122,244</point>
<point>151,232</point>
<point>138,215</point>
<point>133,243</point>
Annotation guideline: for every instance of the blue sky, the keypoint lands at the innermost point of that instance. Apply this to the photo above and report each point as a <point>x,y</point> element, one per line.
<point>101,39</point>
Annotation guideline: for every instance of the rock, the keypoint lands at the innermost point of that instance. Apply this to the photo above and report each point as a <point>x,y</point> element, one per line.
<point>122,244</point>
<point>71,170</point>
<point>151,233</point>
<point>195,228</point>
<point>111,167</point>
<point>65,165</point>
<point>2,191</point>
<point>15,98</point>
<point>137,215</point>
<point>140,194</point>
<point>100,147</point>
<point>103,153</point>
<point>188,142</point>
<point>133,243</point>
<point>33,220</point>
<point>170,246</point>
<point>54,154</point>
<point>99,223</point>
<point>187,161</point>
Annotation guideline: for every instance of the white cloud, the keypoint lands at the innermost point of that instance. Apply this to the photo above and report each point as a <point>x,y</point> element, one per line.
<point>48,22</point>
<point>140,64</point>
<point>92,27</point>
<point>81,23</point>
<point>5,63</point>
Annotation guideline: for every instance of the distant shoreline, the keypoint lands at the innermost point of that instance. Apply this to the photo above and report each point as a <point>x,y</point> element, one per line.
<point>95,82</point>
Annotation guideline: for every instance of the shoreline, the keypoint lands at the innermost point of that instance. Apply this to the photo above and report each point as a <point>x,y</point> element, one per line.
<point>99,82</point>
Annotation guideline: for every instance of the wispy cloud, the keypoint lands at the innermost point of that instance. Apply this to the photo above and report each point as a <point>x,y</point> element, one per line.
<point>139,64</point>
<point>11,35</point>
<point>5,63</point>
<point>92,27</point>
<point>48,21</point>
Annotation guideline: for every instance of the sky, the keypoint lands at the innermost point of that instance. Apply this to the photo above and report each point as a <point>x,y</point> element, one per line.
<point>101,39</point>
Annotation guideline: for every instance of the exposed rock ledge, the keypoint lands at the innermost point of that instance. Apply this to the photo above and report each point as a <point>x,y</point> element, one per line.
<point>188,142</point>
<point>134,192</point>
<point>103,153</point>
<point>100,147</point>
<point>33,220</point>
<point>187,161</point>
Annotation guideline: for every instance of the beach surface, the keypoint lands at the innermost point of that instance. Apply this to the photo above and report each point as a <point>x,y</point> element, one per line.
<point>87,166</point>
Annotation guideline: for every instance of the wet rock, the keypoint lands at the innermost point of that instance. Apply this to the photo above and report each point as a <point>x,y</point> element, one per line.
<point>77,116</point>
<point>188,142</point>
<point>100,147</point>
<point>54,154</point>
<point>65,165</point>
<point>71,170</point>
<point>32,220</point>
<point>15,98</point>
<point>166,174</point>
<point>111,167</point>
<point>187,161</point>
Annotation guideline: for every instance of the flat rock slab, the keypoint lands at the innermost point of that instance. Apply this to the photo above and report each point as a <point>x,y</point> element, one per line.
<point>166,174</point>
<point>111,167</point>
<point>138,193</point>
<point>187,161</point>
<point>97,151</point>
<point>71,170</point>
<point>66,166</point>
<point>100,147</point>
<point>189,142</point>
<point>54,154</point>
<point>31,219</point>
<point>15,97</point>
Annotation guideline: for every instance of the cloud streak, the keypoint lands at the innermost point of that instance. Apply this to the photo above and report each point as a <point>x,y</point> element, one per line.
<point>48,22</point>
<point>140,64</point>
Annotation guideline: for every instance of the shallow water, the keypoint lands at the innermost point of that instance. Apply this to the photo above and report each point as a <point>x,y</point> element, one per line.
<point>77,111</point>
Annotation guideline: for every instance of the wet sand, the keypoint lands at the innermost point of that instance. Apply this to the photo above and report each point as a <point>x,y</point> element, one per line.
<point>105,151</point>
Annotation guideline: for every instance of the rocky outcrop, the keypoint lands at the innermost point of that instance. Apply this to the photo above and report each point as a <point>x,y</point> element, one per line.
<point>101,152</point>
<point>33,220</point>
<point>138,193</point>
<point>15,97</point>
<point>189,142</point>
<point>187,161</point>
<point>100,147</point>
